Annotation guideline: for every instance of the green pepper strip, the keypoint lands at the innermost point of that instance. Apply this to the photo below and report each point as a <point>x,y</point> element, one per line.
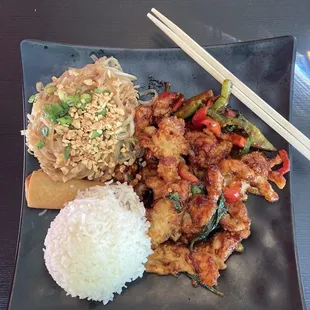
<point>226,89</point>
<point>193,104</point>
<point>258,139</point>
<point>247,146</point>
<point>222,101</point>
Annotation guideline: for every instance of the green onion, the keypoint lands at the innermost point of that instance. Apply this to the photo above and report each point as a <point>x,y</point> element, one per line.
<point>50,89</point>
<point>56,111</point>
<point>32,99</point>
<point>40,144</point>
<point>67,151</point>
<point>85,98</point>
<point>72,100</point>
<point>96,133</point>
<point>65,120</point>
<point>44,131</point>
<point>103,112</point>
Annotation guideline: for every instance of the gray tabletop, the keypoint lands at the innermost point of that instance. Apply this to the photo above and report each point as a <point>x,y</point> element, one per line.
<point>123,23</point>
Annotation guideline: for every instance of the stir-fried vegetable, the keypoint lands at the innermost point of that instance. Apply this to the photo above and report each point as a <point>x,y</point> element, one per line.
<point>232,193</point>
<point>258,139</point>
<point>286,165</point>
<point>212,289</point>
<point>212,125</point>
<point>174,197</point>
<point>235,139</point>
<point>199,117</point>
<point>222,101</point>
<point>233,121</point>
<point>212,225</point>
<point>178,103</point>
<point>247,146</point>
<point>193,104</point>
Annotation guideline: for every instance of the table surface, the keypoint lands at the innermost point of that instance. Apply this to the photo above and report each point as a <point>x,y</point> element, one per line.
<point>123,23</point>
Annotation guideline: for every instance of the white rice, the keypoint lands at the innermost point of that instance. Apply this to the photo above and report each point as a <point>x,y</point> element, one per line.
<point>98,243</point>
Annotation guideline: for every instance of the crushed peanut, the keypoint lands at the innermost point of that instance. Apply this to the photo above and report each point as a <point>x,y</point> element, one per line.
<point>93,139</point>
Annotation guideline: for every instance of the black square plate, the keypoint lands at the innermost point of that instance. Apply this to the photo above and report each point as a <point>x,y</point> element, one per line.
<point>265,276</point>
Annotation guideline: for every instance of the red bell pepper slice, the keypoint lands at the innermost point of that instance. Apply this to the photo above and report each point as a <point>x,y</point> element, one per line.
<point>199,117</point>
<point>167,95</point>
<point>213,126</point>
<point>178,103</point>
<point>235,139</point>
<point>232,193</point>
<point>185,174</point>
<point>286,164</point>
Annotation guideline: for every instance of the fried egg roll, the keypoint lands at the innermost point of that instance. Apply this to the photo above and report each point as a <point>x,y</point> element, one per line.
<point>43,193</point>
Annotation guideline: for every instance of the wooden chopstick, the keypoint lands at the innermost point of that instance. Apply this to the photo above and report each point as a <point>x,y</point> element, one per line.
<point>240,90</point>
<point>236,82</point>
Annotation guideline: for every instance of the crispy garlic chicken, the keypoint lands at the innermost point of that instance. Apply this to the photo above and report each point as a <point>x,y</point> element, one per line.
<point>201,161</point>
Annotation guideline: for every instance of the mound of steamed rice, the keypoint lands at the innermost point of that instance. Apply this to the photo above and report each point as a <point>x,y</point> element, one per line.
<point>98,243</point>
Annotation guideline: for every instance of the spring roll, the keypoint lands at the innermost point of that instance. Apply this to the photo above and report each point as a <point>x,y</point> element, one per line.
<point>43,193</point>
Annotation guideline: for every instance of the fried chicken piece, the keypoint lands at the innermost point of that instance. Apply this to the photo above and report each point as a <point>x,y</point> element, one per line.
<point>205,266</point>
<point>165,222</point>
<point>168,168</point>
<point>235,170</point>
<point>124,173</point>
<point>262,167</point>
<point>168,139</point>
<point>161,188</point>
<point>222,245</point>
<point>170,258</point>
<point>200,208</point>
<point>237,217</point>
<point>143,118</point>
<point>149,170</point>
<point>206,149</point>
<point>161,107</point>
<point>214,182</point>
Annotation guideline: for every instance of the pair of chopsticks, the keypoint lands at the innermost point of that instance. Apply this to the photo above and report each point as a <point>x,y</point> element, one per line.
<point>261,108</point>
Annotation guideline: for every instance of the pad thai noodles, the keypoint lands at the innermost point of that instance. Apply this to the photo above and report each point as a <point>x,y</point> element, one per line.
<point>82,123</point>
